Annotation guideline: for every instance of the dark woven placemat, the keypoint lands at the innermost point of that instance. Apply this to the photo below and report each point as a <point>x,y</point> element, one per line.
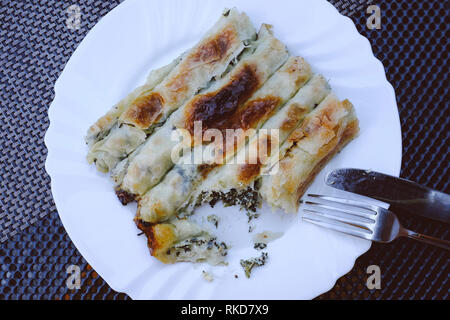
<point>35,44</point>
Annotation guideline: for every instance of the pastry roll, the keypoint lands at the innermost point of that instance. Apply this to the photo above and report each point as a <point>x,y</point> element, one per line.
<point>214,107</point>
<point>181,240</point>
<point>242,171</point>
<point>324,132</point>
<point>102,126</point>
<point>209,59</point>
<point>174,192</point>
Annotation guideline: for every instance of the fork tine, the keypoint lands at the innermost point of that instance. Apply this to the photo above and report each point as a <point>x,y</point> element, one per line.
<point>344,218</point>
<point>334,210</point>
<point>321,222</point>
<point>372,209</point>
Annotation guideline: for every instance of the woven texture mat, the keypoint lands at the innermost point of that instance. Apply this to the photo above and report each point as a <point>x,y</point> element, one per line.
<point>35,44</point>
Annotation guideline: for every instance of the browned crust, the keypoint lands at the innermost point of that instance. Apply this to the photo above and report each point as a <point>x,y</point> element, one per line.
<point>145,110</point>
<point>148,108</point>
<point>348,135</point>
<point>249,171</point>
<point>312,125</point>
<point>159,237</point>
<point>217,109</point>
<point>125,197</point>
<point>204,169</point>
<point>300,64</point>
<point>147,229</point>
<point>295,113</point>
<point>255,111</point>
<point>214,49</point>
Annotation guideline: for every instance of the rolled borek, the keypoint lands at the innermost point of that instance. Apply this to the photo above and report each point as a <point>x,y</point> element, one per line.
<point>174,192</point>
<point>139,115</point>
<point>152,162</point>
<point>103,125</point>
<point>262,150</point>
<point>324,132</point>
<point>182,240</point>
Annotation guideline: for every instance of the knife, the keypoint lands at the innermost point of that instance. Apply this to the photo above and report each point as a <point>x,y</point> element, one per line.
<point>405,194</point>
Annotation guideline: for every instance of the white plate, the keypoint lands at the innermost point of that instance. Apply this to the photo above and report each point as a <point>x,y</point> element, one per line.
<point>115,57</point>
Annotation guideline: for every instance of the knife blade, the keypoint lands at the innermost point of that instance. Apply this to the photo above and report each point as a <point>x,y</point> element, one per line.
<point>405,194</point>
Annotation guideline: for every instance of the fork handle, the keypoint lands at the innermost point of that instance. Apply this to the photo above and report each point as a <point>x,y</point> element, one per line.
<point>427,239</point>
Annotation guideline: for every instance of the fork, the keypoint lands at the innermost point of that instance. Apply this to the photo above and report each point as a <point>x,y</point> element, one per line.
<point>360,219</point>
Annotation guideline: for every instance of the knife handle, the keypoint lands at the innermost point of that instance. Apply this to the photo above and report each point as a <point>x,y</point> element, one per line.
<point>427,239</point>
